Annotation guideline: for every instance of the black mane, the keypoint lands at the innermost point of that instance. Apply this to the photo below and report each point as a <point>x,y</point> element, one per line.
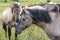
<point>40,15</point>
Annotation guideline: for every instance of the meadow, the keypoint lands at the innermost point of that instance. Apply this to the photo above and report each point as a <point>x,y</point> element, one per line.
<point>31,33</point>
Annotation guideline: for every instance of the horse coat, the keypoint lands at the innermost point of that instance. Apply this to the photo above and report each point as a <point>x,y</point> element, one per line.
<point>7,16</point>
<point>48,21</point>
<point>10,18</point>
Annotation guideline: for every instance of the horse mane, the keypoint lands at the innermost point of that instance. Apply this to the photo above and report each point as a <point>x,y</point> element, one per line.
<point>40,15</point>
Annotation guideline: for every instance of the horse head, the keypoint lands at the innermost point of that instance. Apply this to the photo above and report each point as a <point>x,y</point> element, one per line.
<point>16,9</point>
<point>29,15</point>
<point>24,21</point>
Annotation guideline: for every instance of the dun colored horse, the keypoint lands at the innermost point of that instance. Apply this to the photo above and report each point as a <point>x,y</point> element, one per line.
<point>48,21</point>
<point>10,18</point>
<point>50,6</point>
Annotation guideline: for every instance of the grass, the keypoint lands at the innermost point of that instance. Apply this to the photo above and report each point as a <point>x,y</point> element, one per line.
<point>31,33</point>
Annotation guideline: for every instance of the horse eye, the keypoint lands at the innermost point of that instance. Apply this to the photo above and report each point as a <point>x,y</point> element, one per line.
<point>23,19</point>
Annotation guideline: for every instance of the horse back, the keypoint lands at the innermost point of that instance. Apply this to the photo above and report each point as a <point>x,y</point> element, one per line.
<point>7,15</point>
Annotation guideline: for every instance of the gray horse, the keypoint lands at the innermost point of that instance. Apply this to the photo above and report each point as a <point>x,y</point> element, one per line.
<point>48,21</point>
<point>50,6</point>
<point>10,18</point>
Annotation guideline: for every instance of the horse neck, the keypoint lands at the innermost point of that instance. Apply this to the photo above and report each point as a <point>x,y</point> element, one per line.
<point>40,24</point>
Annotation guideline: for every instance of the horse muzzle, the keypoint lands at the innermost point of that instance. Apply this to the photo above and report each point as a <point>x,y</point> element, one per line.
<point>19,29</point>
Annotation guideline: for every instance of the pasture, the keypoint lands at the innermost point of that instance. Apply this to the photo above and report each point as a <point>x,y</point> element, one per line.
<point>31,33</point>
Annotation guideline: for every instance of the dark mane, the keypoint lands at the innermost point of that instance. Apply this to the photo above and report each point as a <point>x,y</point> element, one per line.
<point>40,15</point>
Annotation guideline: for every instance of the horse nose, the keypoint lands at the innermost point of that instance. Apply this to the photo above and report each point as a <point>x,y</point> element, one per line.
<point>18,30</point>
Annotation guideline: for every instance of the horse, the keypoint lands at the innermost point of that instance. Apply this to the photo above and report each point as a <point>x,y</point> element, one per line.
<point>10,18</point>
<point>48,21</point>
<point>50,6</point>
<point>59,7</point>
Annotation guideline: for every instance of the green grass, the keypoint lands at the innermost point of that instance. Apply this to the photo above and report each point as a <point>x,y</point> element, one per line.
<point>31,33</point>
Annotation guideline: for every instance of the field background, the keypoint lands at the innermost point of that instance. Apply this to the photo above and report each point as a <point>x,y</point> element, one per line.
<point>31,33</point>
